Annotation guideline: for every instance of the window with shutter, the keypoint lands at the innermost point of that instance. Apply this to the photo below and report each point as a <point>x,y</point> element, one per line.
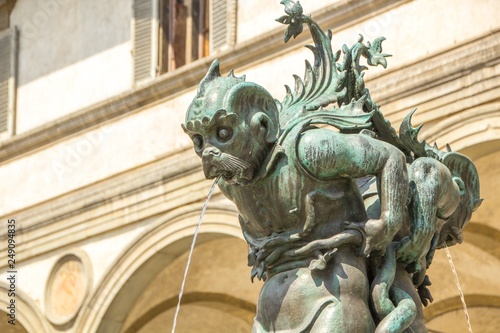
<point>169,34</point>
<point>144,62</point>
<point>8,50</point>
<point>222,24</point>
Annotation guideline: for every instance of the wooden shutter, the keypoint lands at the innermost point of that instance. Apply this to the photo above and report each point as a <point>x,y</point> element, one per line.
<point>144,64</point>
<point>8,51</point>
<point>222,24</point>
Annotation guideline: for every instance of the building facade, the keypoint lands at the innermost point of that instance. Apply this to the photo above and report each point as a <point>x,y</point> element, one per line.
<point>101,190</point>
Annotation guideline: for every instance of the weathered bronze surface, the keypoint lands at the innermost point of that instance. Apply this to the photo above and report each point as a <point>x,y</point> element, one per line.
<point>341,223</point>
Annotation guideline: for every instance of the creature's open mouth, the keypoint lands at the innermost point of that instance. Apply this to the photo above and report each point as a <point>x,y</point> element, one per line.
<point>230,168</point>
<point>453,236</point>
<point>450,240</point>
<point>453,239</point>
<point>210,171</point>
<point>214,172</point>
<point>227,175</point>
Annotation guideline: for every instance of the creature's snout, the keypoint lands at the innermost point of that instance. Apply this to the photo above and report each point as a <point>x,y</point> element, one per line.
<point>210,157</point>
<point>210,152</point>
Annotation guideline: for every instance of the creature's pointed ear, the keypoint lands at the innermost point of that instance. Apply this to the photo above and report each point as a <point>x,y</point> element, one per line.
<point>261,124</point>
<point>213,73</point>
<point>254,103</point>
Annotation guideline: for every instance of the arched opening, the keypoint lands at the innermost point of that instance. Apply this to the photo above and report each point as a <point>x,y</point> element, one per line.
<point>477,260</point>
<point>200,312</point>
<point>218,294</point>
<point>140,293</point>
<point>28,317</point>
<point>448,315</point>
<point>5,327</point>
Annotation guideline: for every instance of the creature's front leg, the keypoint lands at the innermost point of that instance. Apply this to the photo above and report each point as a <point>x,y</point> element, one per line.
<point>393,193</point>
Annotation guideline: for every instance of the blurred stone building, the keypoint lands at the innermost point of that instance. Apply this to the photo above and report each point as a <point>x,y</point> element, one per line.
<point>106,191</point>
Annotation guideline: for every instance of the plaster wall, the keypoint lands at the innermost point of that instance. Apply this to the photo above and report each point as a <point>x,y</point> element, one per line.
<point>488,167</point>
<point>420,28</point>
<point>486,270</point>
<point>257,17</point>
<point>217,267</point>
<point>103,252</point>
<point>71,54</point>
<point>484,317</point>
<point>95,155</point>
<point>414,31</point>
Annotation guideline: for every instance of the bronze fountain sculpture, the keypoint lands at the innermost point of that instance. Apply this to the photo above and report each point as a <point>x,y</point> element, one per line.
<point>341,224</point>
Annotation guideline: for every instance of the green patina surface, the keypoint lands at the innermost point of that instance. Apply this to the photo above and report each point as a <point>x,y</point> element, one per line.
<point>341,224</point>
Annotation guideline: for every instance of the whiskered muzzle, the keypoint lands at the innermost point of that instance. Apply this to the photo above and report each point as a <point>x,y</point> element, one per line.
<point>230,167</point>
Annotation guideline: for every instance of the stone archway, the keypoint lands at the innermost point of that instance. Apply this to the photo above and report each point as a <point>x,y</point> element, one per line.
<point>474,131</point>
<point>5,327</point>
<point>28,317</point>
<point>448,315</point>
<point>107,310</point>
<point>205,308</point>
<point>218,295</point>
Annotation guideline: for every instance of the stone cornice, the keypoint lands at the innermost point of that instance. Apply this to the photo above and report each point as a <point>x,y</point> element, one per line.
<point>339,15</point>
<point>118,202</point>
<point>452,88</point>
<point>435,70</point>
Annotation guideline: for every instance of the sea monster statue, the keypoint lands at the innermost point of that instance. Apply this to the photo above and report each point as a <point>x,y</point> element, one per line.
<point>341,224</point>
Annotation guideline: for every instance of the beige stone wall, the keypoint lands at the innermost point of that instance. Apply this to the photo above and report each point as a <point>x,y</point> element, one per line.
<point>94,155</point>
<point>103,169</point>
<point>251,25</point>
<point>72,54</point>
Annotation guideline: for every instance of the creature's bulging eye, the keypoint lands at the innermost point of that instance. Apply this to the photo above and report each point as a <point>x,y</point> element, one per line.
<point>197,141</point>
<point>224,134</point>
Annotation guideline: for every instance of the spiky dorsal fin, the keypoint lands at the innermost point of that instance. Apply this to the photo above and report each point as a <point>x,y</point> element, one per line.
<point>409,136</point>
<point>327,82</point>
<point>321,85</point>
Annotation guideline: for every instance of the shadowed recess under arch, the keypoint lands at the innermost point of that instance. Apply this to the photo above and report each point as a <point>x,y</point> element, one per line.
<point>150,252</point>
<point>483,237</point>
<point>215,300</point>
<point>28,316</point>
<point>454,303</point>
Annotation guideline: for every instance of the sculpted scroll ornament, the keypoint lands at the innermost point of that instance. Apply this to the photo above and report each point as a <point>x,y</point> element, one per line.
<point>342,225</point>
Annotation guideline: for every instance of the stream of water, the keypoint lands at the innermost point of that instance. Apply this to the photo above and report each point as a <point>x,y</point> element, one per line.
<point>462,298</point>
<point>191,253</point>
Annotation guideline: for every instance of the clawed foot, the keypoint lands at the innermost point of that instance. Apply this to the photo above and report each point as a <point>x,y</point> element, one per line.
<point>424,292</point>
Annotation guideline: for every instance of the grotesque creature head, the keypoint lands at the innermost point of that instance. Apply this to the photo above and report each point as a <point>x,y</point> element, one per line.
<point>233,125</point>
<point>451,232</point>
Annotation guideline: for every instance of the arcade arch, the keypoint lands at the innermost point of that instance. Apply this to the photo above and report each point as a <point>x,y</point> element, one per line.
<point>28,316</point>
<point>146,279</point>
